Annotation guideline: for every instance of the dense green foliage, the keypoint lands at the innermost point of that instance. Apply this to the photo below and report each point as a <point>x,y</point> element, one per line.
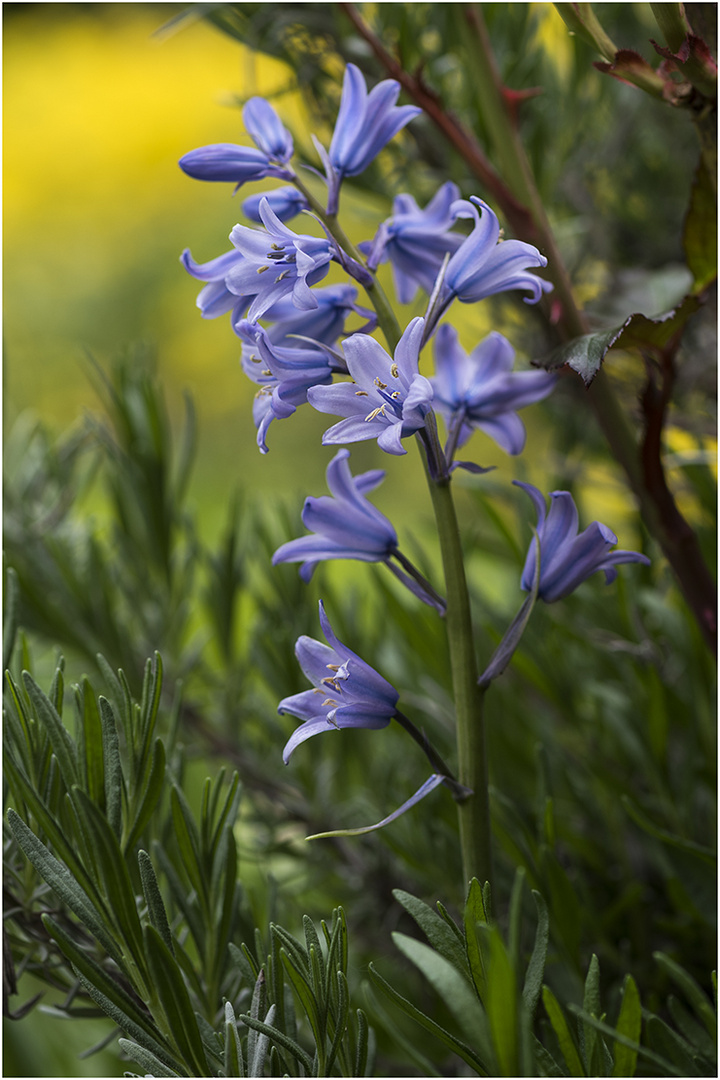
<point>156,871</point>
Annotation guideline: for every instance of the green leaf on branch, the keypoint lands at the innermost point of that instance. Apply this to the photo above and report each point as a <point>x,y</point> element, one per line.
<point>170,988</point>
<point>629,1025</point>
<point>585,354</point>
<point>436,930</point>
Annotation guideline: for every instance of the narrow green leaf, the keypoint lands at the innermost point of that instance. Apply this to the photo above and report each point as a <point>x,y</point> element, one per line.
<point>186,834</point>
<point>62,882</point>
<point>152,689</point>
<point>475,913</point>
<point>293,948</point>
<point>361,1044</point>
<point>151,797</point>
<point>694,994</point>
<point>502,1003</point>
<point>93,745</point>
<point>447,982</point>
<point>591,1005</point>
<point>225,887</point>
<point>641,819</point>
<point>113,776</point>
<point>146,1060</point>
<point>256,1066</point>
<point>339,1020</point>
<point>458,1047</point>
<point>98,978</point>
<point>116,880</point>
<point>257,1007</point>
<point>700,230</point>
<point>63,746</point>
<point>180,896</point>
<point>282,1039</point>
<point>568,1048</point>
<point>436,930</point>
<point>693,1031</point>
<point>536,967</point>
<point>170,987</point>
<point>233,1057</point>
<point>515,918</point>
<point>57,687</point>
<point>312,941</point>
<point>629,1024</point>
<point>661,1063</point>
<point>304,991</point>
<point>153,899</point>
<point>125,1022</point>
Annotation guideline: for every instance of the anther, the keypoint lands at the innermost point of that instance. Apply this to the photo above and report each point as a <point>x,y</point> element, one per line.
<point>361,393</point>
<point>262,269</point>
<point>394,370</point>
<point>382,385</point>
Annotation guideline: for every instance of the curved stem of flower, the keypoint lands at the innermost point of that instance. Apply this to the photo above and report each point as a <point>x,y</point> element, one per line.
<point>387,319</point>
<point>459,792</point>
<point>422,581</point>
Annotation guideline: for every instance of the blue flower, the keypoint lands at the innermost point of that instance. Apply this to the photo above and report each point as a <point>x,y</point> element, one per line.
<point>346,526</point>
<point>285,203</point>
<point>240,164</point>
<point>347,692</point>
<point>566,558</point>
<point>482,391</point>
<point>388,398</point>
<point>364,125</point>
<point>229,162</point>
<point>483,266</point>
<point>415,241</point>
<point>283,374</point>
<point>216,299</point>
<point>263,125</point>
<point>276,261</point>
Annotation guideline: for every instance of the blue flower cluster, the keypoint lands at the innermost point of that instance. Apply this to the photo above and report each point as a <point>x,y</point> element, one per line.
<point>295,342</point>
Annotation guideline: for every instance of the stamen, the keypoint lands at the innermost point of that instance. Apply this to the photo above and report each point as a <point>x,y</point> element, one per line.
<point>266,371</point>
<point>361,393</point>
<point>276,247</point>
<point>262,269</point>
<point>281,276</point>
<point>333,667</point>
<point>382,385</point>
<point>394,370</point>
<point>395,394</point>
<point>331,682</point>
<point>255,359</point>
<point>329,701</point>
<point>374,413</point>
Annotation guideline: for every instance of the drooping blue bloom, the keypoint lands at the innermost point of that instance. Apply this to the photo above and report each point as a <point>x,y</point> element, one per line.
<point>481,390</point>
<point>240,164</point>
<point>347,692</point>
<point>285,203</point>
<point>264,127</point>
<point>276,261</point>
<point>215,298</point>
<point>484,265</point>
<point>283,374</point>
<point>344,526</point>
<point>347,526</point>
<point>566,557</point>
<point>231,163</point>
<point>416,241</point>
<point>364,125</point>
<point>388,399</point>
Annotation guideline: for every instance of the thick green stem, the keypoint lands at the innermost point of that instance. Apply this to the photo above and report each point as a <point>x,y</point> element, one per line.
<point>473,812</point>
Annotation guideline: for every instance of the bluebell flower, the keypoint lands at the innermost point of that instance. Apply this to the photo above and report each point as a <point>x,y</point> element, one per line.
<point>347,526</point>
<point>416,241</point>
<point>484,265</point>
<point>344,526</point>
<point>364,125</point>
<point>285,203</point>
<point>215,298</point>
<point>276,261</point>
<point>566,557</point>
<point>388,399</point>
<point>264,127</point>
<point>231,163</point>
<point>347,692</point>
<point>283,374</point>
<point>482,391</point>
<point>240,164</point>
